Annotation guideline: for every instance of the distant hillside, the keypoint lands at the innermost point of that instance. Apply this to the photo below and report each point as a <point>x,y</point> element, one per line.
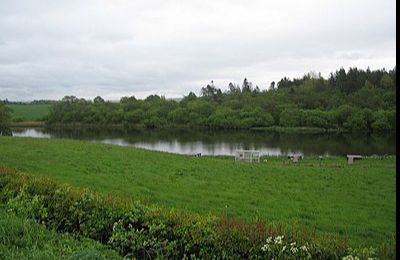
<point>29,112</point>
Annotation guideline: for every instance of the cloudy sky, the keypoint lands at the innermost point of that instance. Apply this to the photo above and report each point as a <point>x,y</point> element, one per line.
<point>49,49</point>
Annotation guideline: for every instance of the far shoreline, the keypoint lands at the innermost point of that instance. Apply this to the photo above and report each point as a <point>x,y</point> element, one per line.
<point>279,129</point>
<point>28,124</point>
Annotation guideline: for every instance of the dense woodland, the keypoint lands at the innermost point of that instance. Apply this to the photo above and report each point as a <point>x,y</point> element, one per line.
<point>353,100</point>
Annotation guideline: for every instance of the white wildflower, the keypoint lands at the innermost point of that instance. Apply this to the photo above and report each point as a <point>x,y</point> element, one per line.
<point>115,226</point>
<point>265,248</point>
<point>283,248</point>
<point>269,240</point>
<point>350,257</point>
<point>304,248</point>
<point>278,240</point>
<point>294,250</point>
<point>293,244</point>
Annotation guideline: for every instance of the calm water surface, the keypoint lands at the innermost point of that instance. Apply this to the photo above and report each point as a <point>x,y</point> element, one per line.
<point>207,142</point>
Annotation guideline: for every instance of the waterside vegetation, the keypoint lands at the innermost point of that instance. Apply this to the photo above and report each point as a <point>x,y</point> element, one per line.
<point>353,100</point>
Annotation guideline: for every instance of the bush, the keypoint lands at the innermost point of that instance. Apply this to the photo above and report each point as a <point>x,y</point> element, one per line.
<point>290,118</point>
<point>357,122</point>
<point>22,238</point>
<point>384,120</point>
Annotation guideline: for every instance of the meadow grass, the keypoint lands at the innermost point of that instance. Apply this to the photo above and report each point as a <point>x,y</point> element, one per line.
<point>22,238</point>
<point>29,112</point>
<point>355,201</point>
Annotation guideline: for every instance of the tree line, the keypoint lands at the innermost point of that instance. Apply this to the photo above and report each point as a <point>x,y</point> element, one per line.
<point>352,100</point>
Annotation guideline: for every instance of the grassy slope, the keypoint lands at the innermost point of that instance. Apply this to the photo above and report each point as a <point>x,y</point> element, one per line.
<point>24,239</point>
<point>356,201</point>
<point>29,112</point>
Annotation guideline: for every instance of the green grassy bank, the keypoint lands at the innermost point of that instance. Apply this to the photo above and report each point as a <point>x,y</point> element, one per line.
<point>355,201</point>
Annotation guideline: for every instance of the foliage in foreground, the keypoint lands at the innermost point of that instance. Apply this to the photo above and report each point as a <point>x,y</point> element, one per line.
<point>22,238</point>
<point>136,230</point>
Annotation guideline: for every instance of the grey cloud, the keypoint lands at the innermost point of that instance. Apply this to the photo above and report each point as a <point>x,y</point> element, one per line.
<point>49,49</point>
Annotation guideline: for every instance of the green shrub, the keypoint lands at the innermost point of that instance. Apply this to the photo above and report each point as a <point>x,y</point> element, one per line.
<point>384,120</point>
<point>22,238</point>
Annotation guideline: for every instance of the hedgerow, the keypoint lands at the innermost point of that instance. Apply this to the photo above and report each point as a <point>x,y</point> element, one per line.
<point>136,230</point>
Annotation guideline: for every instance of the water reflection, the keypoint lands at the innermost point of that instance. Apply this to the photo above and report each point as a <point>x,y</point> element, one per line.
<point>208,142</point>
<point>31,132</point>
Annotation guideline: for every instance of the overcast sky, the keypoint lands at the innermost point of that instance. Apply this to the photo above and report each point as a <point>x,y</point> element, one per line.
<point>49,49</point>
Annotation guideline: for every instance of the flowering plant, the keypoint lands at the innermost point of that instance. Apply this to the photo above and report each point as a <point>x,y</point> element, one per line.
<point>278,248</point>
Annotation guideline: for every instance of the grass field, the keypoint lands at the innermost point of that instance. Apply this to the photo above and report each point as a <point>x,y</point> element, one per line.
<point>29,112</point>
<point>24,239</point>
<point>357,200</point>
